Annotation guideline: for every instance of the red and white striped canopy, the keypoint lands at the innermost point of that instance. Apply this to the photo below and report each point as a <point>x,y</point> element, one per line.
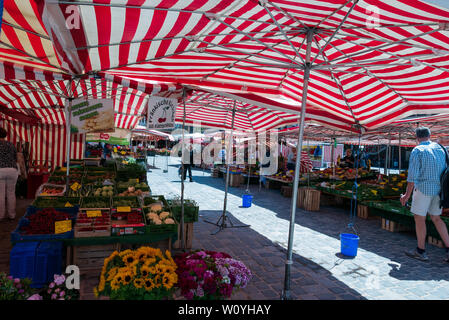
<point>254,113</point>
<point>45,100</point>
<point>372,60</point>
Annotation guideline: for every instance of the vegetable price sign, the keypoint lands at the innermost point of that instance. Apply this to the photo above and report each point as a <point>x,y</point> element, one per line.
<point>161,113</point>
<point>95,115</point>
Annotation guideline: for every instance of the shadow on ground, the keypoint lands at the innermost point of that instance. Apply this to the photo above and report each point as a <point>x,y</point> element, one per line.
<point>331,221</point>
<point>266,259</point>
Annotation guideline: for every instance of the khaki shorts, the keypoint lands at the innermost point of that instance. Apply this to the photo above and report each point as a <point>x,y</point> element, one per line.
<point>422,204</point>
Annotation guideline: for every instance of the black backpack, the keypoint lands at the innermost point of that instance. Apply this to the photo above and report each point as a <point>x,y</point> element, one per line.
<point>444,182</point>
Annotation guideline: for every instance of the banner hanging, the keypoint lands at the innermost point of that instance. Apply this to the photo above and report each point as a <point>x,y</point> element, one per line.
<point>96,115</point>
<point>161,113</point>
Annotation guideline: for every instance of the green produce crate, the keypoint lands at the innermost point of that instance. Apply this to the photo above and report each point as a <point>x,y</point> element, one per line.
<point>91,203</point>
<point>55,202</point>
<point>190,212</point>
<point>131,201</point>
<point>155,198</point>
<point>159,228</point>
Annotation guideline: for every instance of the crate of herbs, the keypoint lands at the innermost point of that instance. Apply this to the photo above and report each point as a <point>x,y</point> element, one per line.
<point>159,217</point>
<point>56,202</point>
<point>125,202</point>
<point>102,203</point>
<point>191,209</point>
<point>131,171</point>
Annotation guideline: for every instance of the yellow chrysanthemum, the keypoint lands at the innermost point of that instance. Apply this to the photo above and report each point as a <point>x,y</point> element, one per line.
<point>145,271</point>
<point>130,259</point>
<point>169,280</point>
<point>112,273</point>
<point>124,253</point>
<point>127,278</point>
<point>115,285</point>
<point>138,283</point>
<point>118,278</point>
<point>101,285</point>
<point>149,260</point>
<point>149,284</point>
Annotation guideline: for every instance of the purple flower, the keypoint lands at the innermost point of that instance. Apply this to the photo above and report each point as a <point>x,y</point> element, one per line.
<point>49,291</point>
<point>18,286</point>
<point>21,291</point>
<point>52,285</point>
<point>9,277</point>
<point>199,292</point>
<point>54,296</point>
<point>35,297</point>
<point>57,290</point>
<point>16,280</point>
<point>62,294</point>
<point>59,279</point>
<point>189,295</point>
<point>201,254</point>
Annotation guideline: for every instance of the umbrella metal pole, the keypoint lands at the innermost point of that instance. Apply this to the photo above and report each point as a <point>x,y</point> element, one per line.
<point>286,295</point>
<point>68,124</point>
<point>166,156</point>
<point>400,158</point>
<point>222,221</point>
<point>181,233</point>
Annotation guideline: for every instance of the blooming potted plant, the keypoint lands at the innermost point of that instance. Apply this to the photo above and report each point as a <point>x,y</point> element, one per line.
<point>142,274</point>
<point>210,275</point>
<point>57,290</point>
<point>14,288</point>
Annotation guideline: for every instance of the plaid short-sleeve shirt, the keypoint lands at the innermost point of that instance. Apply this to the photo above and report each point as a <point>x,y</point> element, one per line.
<point>427,163</point>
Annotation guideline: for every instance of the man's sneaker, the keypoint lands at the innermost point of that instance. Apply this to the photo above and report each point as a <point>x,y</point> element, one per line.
<point>416,255</point>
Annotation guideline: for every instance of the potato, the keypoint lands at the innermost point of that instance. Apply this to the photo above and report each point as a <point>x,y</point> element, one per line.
<point>164,215</point>
<point>155,207</point>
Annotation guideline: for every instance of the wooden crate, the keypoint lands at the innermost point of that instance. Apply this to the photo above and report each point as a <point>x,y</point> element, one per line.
<point>89,258</point>
<point>393,226</point>
<point>300,197</point>
<point>95,233</point>
<point>188,236</point>
<point>364,213</point>
<point>312,199</point>
<point>287,191</point>
<point>235,180</point>
<point>435,242</point>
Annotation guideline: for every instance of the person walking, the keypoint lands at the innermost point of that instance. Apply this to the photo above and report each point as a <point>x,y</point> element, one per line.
<point>427,163</point>
<point>188,166</point>
<point>8,177</point>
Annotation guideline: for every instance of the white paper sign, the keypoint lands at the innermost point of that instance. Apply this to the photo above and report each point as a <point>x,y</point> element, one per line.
<point>95,115</point>
<point>161,113</point>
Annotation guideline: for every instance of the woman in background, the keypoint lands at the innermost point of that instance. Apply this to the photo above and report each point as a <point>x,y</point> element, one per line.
<point>8,177</point>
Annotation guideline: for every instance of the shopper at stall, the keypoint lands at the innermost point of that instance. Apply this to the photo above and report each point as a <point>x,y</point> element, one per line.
<point>427,162</point>
<point>348,160</point>
<point>8,177</point>
<point>291,159</point>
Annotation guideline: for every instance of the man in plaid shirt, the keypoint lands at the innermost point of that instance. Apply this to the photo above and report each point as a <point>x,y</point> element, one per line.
<point>427,163</point>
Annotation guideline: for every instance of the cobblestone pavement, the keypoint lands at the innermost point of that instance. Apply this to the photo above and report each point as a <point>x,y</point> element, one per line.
<point>379,271</point>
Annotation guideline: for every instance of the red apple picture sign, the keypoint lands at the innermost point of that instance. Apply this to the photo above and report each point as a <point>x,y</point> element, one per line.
<point>161,113</point>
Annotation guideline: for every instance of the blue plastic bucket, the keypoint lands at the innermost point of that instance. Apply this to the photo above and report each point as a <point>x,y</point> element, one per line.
<point>247,199</point>
<point>349,244</point>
